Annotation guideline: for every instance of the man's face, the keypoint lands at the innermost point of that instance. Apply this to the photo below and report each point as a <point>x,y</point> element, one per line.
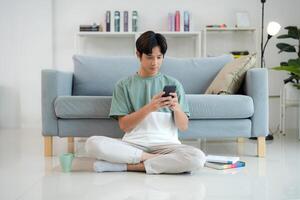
<point>150,64</point>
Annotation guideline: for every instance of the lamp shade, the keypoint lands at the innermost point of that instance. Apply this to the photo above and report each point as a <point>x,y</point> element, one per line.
<point>273,28</point>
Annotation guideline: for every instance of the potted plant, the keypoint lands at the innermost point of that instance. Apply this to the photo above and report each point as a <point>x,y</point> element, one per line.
<point>292,65</point>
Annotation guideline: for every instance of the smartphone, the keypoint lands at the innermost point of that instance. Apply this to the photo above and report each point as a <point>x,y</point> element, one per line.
<point>169,89</point>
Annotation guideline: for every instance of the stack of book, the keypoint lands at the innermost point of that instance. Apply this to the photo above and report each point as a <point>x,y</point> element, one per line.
<point>180,21</point>
<point>93,27</point>
<point>223,162</point>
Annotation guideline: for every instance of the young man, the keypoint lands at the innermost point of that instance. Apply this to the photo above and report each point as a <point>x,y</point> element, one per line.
<point>149,120</point>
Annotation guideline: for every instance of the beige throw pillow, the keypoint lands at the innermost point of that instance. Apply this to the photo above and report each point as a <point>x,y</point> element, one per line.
<point>231,76</point>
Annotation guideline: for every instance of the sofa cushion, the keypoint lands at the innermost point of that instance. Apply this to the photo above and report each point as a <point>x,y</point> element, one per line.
<point>195,74</point>
<point>201,107</point>
<point>220,106</point>
<point>231,76</point>
<point>75,107</point>
<point>97,76</point>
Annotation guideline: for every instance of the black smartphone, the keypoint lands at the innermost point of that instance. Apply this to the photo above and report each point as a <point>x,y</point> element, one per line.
<point>169,89</point>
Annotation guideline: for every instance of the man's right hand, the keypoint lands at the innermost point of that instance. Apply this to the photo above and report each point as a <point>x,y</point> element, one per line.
<point>158,102</point>
<point>129,122</point>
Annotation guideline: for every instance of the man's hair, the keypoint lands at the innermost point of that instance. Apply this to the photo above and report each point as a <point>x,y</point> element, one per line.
<point>148,40</point>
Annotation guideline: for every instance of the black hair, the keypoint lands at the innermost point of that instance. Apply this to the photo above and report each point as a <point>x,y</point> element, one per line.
<point>148,40</point>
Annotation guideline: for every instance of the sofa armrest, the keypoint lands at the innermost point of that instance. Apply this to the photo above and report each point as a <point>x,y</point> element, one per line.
<point>256,86</point>
<point>54,83</point>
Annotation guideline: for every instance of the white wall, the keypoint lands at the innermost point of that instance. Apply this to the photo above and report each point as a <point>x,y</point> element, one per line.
<point>27,32</point>
<point>25,48</point>
<point>153,15</point>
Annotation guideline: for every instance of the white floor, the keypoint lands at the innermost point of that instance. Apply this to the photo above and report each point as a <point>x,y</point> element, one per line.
<point>25,174</point>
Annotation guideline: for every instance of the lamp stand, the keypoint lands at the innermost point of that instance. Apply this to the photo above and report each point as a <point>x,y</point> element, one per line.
<point>262,49</point>
<point>262,33</point>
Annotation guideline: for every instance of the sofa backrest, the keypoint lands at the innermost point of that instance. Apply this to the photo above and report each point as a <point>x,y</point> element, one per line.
<point>97,76</point>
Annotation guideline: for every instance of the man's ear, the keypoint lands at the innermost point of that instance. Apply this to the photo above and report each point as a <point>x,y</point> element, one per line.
<point>138,54</point>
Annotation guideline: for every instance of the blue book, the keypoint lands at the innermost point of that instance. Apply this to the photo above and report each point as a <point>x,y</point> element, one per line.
<point>117,21</point>
<point>134,21</point>
<point>221,166</point>
<point>186,21</point>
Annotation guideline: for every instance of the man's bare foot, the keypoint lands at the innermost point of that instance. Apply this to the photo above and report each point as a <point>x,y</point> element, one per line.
<point>146,156</point>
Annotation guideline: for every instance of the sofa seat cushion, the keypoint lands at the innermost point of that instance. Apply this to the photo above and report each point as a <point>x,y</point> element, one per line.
<point>81,107</point>
<point>201,107</point>
<point>220,106</point>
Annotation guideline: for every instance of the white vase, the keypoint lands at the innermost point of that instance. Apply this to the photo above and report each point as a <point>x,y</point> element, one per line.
<point>291,92</point>
<point>289,97</point>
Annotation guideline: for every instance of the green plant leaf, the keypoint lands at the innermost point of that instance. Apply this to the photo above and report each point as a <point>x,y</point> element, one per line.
<point>294,62</point>
<point>293,32</point>
<point>284,64</point>
<point>285,47</point>
<point>297,85</point>
<point>284,36</point>
<point>293,69</point>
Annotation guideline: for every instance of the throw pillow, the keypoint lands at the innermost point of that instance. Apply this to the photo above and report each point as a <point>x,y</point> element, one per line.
<point>231,76</point>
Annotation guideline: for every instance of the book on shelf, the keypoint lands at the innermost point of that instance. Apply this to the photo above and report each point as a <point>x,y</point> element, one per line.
<point>222,159</point>
<point>125,21</point>
<point>93,27</point>
<point>117,21</point>
<point>108,21</point>
<point>171,21</point>
<point>134,21</point>
<point>186,21</point>
<point>177,21</point>
<point>221,166</point>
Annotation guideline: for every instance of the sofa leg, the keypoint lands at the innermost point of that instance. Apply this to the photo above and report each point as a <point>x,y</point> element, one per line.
<point>261,146</point>
<point>70,144</point>
<point>48,142</point>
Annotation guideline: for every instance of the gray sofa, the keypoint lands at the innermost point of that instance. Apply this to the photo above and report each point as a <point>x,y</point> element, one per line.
<point>77,104</point>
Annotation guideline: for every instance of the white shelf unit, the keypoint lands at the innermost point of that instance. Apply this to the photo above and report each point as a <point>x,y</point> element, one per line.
<point>105,43</point>
<point>123,43</point>
<point>217,41</point>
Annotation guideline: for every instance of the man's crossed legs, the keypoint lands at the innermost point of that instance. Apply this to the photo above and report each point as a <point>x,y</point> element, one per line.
<point>117,155</point>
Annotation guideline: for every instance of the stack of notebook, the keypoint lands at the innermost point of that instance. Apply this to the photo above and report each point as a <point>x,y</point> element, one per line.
<point>223,162</point>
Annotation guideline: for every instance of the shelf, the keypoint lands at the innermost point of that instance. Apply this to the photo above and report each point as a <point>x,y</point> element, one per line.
<point>176,38</point>
<point>231,29</point>
<point>106,34</point>
<point>120,34</point>
<point>217,41</point>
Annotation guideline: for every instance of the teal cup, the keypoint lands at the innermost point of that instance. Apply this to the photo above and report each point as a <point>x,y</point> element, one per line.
<point>66,161</point>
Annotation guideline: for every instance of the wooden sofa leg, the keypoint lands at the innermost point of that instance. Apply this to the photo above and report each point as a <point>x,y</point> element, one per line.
<point>71,144</point>
<point>48,142</point>
<point>261,146</point>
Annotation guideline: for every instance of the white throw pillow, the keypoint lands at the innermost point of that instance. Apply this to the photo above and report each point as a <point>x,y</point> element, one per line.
<point>231,76</point>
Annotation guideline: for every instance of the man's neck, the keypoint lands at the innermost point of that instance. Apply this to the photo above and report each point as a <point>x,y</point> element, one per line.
<point>145,75</point>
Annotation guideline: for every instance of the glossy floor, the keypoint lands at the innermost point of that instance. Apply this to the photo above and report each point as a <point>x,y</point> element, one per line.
<point>26,174</point>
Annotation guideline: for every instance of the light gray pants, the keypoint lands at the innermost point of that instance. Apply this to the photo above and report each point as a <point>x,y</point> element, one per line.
<point>174,158</point>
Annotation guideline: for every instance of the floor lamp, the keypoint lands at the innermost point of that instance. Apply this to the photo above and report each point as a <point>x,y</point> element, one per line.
<point>272,29</point>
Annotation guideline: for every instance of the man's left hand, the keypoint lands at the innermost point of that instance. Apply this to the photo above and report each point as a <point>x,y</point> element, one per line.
<point>174,105</point>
